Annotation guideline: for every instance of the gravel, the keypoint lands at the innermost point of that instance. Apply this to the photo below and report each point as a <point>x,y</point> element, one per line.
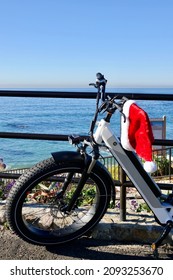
<point>85,248</point>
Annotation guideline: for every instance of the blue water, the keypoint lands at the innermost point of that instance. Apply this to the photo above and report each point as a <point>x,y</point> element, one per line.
<point>61,116</point>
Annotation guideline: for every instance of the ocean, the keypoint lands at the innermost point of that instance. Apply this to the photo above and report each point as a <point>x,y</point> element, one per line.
<point>61,116</point>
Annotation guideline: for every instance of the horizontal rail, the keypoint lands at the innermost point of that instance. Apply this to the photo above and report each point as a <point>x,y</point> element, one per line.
<point>34,136</point>
<point>82,94</point>
<point>163,186</point>
<point>63,137</point>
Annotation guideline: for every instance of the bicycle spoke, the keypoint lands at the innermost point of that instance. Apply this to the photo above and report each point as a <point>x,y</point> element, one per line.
<point>43,206</point>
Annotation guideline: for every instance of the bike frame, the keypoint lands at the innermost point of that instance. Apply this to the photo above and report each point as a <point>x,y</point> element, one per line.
<point>132,166</point>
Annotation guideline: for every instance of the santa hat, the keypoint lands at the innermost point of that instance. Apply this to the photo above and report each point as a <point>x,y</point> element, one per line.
<point>137,135</point>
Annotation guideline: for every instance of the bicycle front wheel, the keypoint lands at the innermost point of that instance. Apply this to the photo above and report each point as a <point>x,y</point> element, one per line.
<point>37,203</point>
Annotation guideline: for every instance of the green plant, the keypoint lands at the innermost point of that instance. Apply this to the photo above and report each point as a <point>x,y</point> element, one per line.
<point>143,207</point>
<point>86,198</point>
<point>163,166</point>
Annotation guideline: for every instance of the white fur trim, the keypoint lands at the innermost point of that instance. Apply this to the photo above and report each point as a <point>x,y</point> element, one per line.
<point>126,107</point>
<point>125,126</point>
<point>150,166</point>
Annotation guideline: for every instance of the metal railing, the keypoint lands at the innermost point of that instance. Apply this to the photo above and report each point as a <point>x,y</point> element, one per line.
<point>82,95</point>
<point>122,181</point>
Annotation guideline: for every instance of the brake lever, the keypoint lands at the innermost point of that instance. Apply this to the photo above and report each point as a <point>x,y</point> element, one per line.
<point>93,84</point>
<point>124,116</point>
<point>121,111</point>
<point>107,103</point>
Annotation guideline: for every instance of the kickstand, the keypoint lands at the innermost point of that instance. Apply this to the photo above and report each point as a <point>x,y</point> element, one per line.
<point>163,235</point>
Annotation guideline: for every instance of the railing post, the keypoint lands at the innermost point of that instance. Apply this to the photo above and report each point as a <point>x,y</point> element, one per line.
<point>122,195</point>
<point>170,152</point>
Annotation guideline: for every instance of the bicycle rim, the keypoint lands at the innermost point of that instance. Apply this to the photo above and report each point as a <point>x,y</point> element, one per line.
<point>39,211</point>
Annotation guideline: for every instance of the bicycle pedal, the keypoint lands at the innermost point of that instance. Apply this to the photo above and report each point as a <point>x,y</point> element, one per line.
<point>163,235</point>
<point>155,250</point>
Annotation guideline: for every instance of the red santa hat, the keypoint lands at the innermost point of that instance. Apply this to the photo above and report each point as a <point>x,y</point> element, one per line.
<point>137,135</point>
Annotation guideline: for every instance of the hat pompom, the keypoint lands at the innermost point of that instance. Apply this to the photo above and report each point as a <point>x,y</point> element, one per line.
<point>150,166</point>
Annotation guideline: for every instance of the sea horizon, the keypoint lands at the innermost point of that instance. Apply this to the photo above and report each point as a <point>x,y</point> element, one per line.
<point>92,89</point>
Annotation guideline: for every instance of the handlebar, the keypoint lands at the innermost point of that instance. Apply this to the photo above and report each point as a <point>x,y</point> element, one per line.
<point>109,105</point>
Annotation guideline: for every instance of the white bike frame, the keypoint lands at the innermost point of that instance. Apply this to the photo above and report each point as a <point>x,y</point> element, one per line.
<point>132,166</point>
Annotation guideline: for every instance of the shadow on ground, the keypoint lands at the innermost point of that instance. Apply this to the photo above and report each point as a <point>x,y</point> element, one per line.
<point>91,249</point>
<point>13,248</point>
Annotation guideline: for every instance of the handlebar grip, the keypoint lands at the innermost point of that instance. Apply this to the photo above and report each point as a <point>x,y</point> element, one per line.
<point>101,82</point>
<point>74,139</point>
<point>100,78</point>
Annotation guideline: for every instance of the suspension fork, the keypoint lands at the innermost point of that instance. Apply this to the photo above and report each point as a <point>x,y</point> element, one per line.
<point>67,181</point>
<point>89,163</point>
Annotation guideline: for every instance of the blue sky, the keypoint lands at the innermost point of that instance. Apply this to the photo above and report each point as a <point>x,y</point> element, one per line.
<point>63,43</point>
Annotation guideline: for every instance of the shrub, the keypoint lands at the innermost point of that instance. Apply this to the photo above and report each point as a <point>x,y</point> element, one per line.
<point>5,188</point>
<point>163,166</point>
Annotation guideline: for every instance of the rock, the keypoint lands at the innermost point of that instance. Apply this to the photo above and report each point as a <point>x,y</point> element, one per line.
<point>46,221</point>
<point>2,214</point>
